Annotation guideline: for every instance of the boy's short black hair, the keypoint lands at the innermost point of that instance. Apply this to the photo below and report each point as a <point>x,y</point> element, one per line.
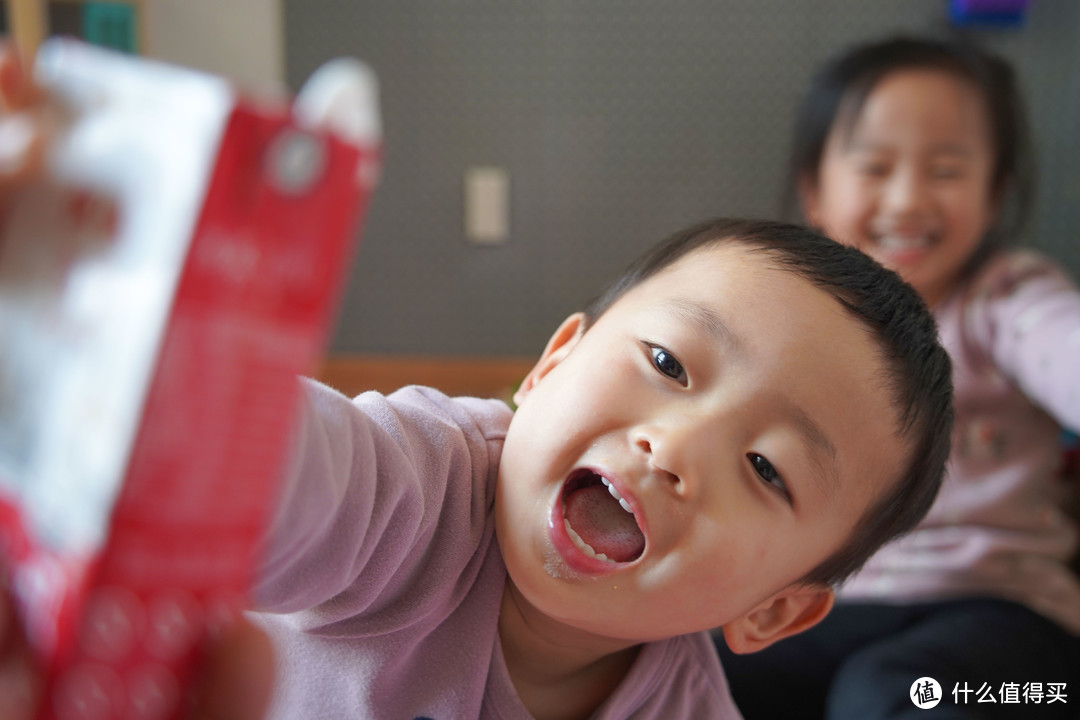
<point>837,92</point>
<point>918,371</point>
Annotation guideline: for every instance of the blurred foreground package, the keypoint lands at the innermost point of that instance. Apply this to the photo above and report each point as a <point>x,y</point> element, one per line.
<point>160,290</point>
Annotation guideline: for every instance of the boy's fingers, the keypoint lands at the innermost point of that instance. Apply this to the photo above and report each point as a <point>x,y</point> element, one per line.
<point>22,148</point>
<point>12,77</point>
<point>17,89</point>
<point>22,126</point>
<point>20,684</point>
<point>234,682</point>
<point>19,687</point>
<point>237,677</point>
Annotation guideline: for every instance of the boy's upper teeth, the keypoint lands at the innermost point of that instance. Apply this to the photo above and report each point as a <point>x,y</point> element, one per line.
<point>615,494</point>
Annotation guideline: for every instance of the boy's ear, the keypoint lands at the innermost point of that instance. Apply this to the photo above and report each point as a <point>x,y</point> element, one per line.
<point>789,612</point>
<point>558,347</point>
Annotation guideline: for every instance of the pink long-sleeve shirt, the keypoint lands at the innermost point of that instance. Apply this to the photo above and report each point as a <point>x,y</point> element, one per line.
<point>1001,525</point>
<point>383,580</point>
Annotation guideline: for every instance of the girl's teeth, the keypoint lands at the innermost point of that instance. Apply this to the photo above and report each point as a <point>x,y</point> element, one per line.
<point>898,242</point>
<point>581,544</point>
<point>615,494</point>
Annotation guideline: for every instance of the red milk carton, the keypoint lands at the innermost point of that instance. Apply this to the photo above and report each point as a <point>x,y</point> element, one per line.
<point>160,290</point>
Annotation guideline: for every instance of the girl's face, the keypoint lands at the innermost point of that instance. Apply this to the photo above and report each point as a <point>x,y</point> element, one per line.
<point>909,180</point>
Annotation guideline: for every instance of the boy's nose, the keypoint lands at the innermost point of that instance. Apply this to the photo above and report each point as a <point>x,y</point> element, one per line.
<point>665,457</point>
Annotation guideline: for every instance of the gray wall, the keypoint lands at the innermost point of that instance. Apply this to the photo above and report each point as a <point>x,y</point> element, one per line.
<point>619,121</point>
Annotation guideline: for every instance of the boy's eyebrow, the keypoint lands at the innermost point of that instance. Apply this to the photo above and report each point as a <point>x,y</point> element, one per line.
<point>823,451</point>
<point>706,319</point>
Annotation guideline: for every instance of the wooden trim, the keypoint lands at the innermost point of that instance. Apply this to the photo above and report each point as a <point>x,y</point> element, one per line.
<point>496,377</point>
<point>28,26</point>
<point>137,3</point>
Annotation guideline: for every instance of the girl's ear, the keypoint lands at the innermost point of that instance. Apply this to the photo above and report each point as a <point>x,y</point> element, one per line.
<point>810,199</point>
<point>789,612</point>
<point>993,212</point>
<point>558,347</point>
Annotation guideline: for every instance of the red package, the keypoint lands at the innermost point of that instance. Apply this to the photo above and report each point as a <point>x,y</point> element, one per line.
<point>160,291</point>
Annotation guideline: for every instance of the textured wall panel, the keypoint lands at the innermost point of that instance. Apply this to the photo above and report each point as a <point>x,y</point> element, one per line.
<point>618,121</point>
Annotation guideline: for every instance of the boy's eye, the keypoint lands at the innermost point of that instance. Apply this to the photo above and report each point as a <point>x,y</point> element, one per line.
<point>768,473</point>
<point>668,364</point>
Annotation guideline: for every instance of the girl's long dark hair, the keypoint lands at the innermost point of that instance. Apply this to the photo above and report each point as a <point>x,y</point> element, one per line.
<point>838,91</point>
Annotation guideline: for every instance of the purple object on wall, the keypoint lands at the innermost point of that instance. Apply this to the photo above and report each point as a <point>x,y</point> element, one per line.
<point>988,12</point>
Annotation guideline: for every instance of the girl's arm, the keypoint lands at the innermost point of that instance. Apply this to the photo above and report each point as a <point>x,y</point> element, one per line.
<point>1027,312</point>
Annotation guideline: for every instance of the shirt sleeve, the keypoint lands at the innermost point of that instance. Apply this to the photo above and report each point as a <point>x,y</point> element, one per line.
<point>380,490</point>
<point>1026,313</point>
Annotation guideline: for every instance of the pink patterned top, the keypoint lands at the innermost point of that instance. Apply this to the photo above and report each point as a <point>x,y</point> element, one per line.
<point>383,578</point>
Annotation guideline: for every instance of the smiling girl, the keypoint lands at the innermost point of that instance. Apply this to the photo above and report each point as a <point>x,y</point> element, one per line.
<point>916,152</point>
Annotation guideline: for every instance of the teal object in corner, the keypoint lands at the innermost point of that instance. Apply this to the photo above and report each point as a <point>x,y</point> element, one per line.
<point>110,24</point>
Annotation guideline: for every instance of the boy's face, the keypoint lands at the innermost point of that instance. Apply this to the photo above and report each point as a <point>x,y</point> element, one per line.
<point>741,415</point>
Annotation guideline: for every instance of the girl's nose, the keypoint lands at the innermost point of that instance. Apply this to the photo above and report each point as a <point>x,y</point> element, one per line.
<point>906,192</point>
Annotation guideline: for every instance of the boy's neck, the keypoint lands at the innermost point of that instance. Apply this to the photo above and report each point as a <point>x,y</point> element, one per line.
<point>559,672</point>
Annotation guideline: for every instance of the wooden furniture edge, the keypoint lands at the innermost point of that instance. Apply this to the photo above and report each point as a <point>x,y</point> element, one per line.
<point>487,376</point>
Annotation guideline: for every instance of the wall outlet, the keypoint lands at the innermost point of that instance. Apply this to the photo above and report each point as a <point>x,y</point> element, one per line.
<point>487,205</point>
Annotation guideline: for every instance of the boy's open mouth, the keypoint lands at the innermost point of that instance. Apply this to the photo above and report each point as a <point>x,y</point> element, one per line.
<point>598,520</point>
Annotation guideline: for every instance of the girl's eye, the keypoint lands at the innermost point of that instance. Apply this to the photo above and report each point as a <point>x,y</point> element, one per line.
<point>873,169</point>
<point>768,473</point>
<point>946,173</point>
<point>667,364</point>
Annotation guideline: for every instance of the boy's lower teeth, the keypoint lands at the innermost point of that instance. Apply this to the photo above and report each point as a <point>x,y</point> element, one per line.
<point>605,523</point>
<point>582,545</point>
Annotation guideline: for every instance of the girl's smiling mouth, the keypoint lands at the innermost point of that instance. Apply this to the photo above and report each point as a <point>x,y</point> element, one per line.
<point>593,526</point>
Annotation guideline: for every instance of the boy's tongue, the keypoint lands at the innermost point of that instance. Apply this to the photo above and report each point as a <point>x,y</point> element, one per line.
<point>603,524</point>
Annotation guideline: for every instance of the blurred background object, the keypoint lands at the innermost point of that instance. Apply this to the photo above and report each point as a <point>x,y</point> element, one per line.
<point>615,121</point>
<point>1003,13</point>
<point>241,39</point>
<point>607,123</point>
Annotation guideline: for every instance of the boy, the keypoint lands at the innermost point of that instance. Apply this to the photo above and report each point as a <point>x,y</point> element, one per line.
<point>713,444</point>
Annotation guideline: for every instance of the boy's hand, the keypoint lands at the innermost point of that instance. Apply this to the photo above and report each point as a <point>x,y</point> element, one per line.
<point>22,142</point>
<point>233,683</point>
<point>236,677</point>
<point>20,683</point>
<point>22,121</point>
